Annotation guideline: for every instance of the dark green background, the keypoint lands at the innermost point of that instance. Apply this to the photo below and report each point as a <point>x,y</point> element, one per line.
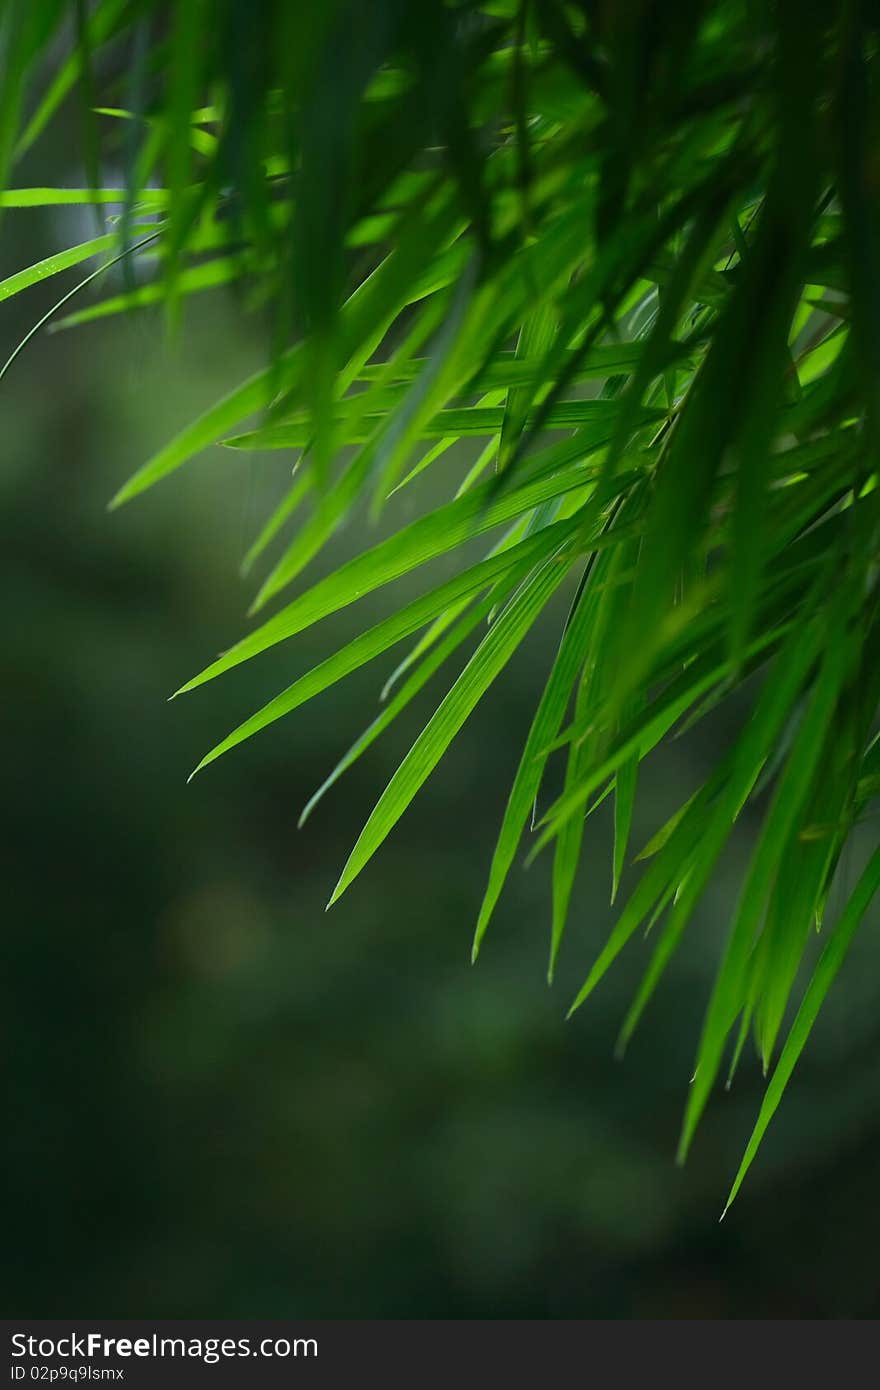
<point>223,1102</point>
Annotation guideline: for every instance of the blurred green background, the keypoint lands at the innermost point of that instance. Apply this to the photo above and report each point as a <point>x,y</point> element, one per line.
<point>223,1102</point>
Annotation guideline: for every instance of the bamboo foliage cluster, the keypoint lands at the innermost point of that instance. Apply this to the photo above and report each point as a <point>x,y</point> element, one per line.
<point>632,252</point>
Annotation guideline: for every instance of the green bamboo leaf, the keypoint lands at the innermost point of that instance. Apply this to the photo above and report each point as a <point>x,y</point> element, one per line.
<point>100,26</point>
<point>823,977</point>
<point>791,792</point>
<point>342,495</point>
<point>54,265</point>
<point>855,129</point>
<point>658,242</point>
<point>665,869</point>
<point>484,666</point>
<point>475,472</point>
<point>604,597</point>
<point>17,35</point>
<point>658,718</point>
<point>511,537</point>
<point>128,251</point>
<point>690,268</point>
<point>790,916</point>
<point>455,423</point>
<point>424,643</point>
<point>526,784</point>
<point>449,526</point>
<point>300,489</point>
<point>508,370</point>
<point>364,320</point>
<point>748,758</point>
<point>149,199</point>
<point>736,1054</point>
<point>193,280</point>
<point>427,667</point>
<point>252,395</point>
<point>626,782</point>
<point>659,838</point>
<point>336,500</point>
<point>662,953</point>
<point>534,341</point>
<point>385,634</point>
<point>712,810</point>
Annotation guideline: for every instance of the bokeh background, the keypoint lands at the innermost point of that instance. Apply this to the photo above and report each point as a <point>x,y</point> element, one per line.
<point>222,1101</point>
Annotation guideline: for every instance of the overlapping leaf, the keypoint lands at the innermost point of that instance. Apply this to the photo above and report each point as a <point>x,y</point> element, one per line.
<point>611,287</point>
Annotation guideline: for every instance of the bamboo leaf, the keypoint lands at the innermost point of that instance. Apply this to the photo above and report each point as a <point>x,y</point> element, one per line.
<point>54,265</point>
<point>385,634</point>
<point>824,975</point>
<point>790,794</point>
<point>487,662</point>
<point>545,724</point>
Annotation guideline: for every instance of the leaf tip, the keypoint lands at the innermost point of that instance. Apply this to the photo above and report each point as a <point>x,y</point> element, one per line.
<point>337,891</point>
<point>685,1141</point>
